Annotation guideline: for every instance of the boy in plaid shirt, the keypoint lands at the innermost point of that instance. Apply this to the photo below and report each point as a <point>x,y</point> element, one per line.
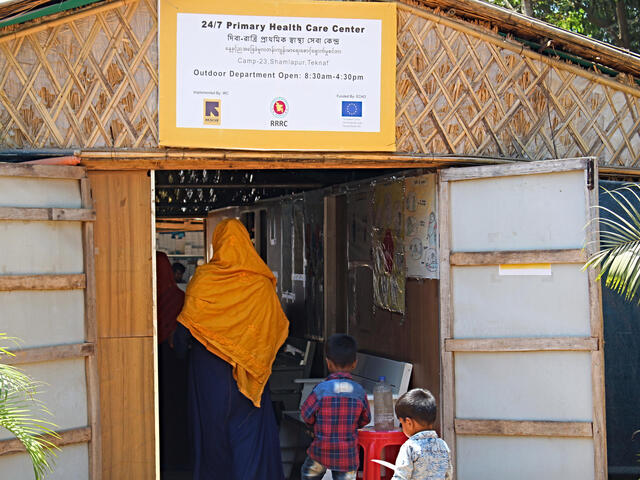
<point>336,408</point>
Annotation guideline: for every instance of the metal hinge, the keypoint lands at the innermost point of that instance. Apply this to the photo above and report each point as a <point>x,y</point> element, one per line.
<point>590,173</point>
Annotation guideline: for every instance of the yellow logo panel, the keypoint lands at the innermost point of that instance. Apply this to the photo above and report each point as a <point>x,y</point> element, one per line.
<point>212,111</point>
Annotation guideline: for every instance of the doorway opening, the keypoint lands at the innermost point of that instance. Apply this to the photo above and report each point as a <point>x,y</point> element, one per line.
<point>315,231</point>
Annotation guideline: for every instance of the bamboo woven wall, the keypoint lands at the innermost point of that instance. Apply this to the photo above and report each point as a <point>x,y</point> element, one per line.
<point>91,81</point>
<point>465,90</point>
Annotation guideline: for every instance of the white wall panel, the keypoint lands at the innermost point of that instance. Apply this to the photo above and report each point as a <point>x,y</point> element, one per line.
<point>497,458</point>
<point>40,248</point>
<point>39,192</point>
<point>63,392</point>
<point>42,318</point>
<point>528,212</point>
<point>524,386</point>
<point>70,463</point>
<point>486,304</point>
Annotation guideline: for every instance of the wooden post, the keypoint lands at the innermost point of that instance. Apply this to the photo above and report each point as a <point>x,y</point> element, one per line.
<point>124,300</point>
<point>91,363</point>
<point>595,314</point>
<point>447,383</point>
<point>335,266</point>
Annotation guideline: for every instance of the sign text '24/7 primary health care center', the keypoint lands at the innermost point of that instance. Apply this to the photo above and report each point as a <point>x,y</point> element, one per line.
<point>278,73</point>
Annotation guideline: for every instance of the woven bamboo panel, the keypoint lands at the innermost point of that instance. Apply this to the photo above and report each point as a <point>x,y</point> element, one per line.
<point>464,93</point>
<point>88,82</point>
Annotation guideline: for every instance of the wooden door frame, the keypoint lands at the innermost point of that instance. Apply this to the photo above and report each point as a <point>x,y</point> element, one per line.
<point>126,326</point>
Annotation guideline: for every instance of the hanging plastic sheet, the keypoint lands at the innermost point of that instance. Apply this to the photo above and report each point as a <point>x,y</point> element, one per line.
<point>388,246</point>
<point>314,261</point>
<point>359,224</point>
<point>421,226</point>
<point>274,236</point>
<point>360,279</point>
<point>287,249</point>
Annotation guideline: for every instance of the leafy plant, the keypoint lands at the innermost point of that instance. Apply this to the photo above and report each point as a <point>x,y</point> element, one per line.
<point>18,403</point>
<point>618,255</point>
<point>613,21</point>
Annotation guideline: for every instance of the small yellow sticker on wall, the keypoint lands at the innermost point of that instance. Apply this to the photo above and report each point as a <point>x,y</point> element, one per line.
<point>525,269</point>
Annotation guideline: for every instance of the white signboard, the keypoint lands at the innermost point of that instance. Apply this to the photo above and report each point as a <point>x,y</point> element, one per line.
<point>283,77</point>
<point>266,73</point>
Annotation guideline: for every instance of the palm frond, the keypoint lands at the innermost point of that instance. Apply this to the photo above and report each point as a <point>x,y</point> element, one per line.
<point>618,256</point>
<point>6,339</point>
<point>21,414</point>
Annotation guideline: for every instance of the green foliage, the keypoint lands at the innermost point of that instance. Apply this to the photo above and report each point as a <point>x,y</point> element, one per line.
<point>619,254</point>
<point>18,403</point>
<point>612,21</point>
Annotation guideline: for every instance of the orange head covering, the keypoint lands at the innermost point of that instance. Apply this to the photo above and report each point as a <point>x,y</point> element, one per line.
<point>232,308</point>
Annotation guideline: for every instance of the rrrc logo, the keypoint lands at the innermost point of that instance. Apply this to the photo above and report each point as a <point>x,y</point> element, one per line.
<point>279,109</point>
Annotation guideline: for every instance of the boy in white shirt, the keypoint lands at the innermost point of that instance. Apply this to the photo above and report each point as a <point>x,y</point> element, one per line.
<point>423,456</point>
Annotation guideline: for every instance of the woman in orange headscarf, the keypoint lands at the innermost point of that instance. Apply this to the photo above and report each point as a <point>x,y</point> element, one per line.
<point>234,315</point>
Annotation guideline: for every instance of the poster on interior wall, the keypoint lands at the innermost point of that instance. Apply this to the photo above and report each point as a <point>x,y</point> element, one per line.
<point>388,246</point>
<point>272,75</point>
<point>421,227</point>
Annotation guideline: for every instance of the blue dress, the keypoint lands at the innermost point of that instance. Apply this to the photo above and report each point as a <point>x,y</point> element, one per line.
<point>232,439</point>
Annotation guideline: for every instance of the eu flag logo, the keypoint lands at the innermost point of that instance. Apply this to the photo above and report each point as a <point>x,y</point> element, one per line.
<point>351,109</point>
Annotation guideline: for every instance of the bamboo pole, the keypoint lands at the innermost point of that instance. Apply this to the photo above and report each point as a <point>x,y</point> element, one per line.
<point>622,172</point>
<point>523,428</point>
<point>12,283</point>
<point>225,159</point>
<point>91,335</point>
<point>62,438</point>
<point>49,354</point>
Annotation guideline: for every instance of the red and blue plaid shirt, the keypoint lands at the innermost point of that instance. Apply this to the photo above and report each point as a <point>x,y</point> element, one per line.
<point>336,408</point>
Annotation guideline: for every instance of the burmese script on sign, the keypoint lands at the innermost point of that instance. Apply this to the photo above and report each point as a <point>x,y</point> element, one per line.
<point>278,73</point>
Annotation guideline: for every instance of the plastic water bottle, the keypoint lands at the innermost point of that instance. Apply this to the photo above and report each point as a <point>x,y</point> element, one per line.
<point>382,406</point>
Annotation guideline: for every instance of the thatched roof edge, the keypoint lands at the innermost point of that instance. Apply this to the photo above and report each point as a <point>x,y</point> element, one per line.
<point>532,29</point>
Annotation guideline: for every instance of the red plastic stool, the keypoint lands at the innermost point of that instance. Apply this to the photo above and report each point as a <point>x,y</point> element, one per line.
<point>373,443</point>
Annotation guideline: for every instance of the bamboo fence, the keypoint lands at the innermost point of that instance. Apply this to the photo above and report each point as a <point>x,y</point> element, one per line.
<point>90,81</point>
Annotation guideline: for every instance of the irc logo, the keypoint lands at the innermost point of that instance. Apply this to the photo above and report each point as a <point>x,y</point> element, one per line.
<point>212,112</point>
<point>279,107</point>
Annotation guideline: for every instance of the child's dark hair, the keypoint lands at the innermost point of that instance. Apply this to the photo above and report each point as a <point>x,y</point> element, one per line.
<point>417,404</point>
<point>341,349</point>
<point>178,267</point>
